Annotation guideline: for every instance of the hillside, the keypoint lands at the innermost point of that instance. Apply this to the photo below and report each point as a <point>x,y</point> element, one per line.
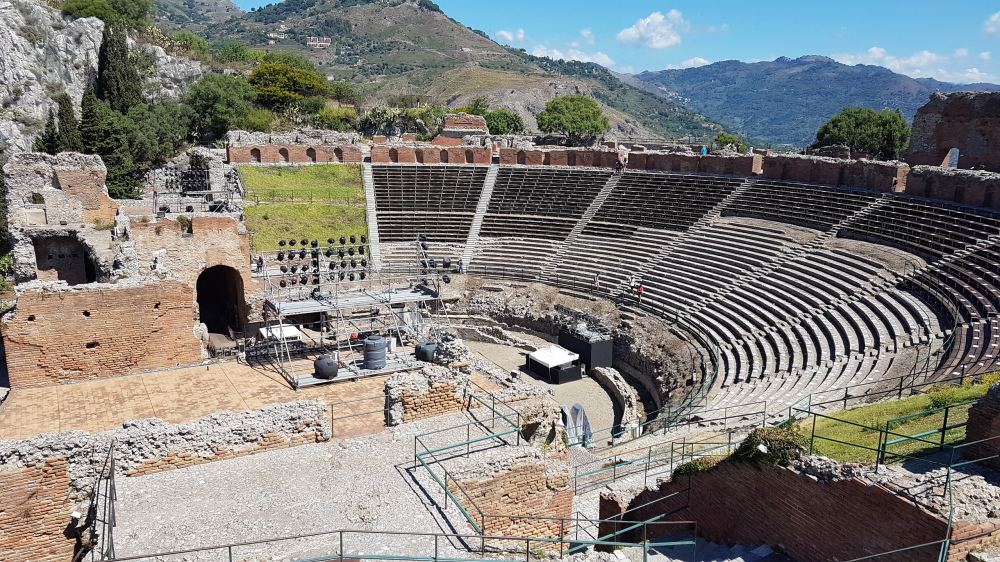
<point>393,48</point>
<point>786,100</point>
<point>193,15</point>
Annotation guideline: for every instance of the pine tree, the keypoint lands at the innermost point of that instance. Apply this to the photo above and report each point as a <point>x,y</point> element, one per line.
<point>69,129</point>
<point>118,80</point>
<point>48,141</point>
<point>92,120</point>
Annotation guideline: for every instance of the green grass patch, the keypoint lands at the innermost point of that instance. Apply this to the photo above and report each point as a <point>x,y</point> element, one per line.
<point>304,184</point>
<point>274,222</point>
<point>876,416</point>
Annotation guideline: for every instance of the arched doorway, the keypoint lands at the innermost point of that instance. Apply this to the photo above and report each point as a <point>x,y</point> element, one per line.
<point>284,154</point>
<point>221,303</point>
<point>311,154</point>
<point>255,155</point>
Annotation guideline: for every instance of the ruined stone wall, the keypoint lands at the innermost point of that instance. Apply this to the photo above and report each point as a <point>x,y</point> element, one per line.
<point>516,486</point>
<point>430,392</point>
<point>977,188</point>
<point>867,174</point>
<point>287,153</point>
<point>164,247</point>
<point>813,521</point>
<point>72,335</point>
<point>406,154</point>
<point>71,184</point>
<point>984,424</point>
<point>735,164</point>
<point>35,509</point>
<point>968,121</point>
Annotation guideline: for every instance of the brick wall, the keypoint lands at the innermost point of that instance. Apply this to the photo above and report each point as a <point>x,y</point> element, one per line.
<point>271,442</point>
<point>984,424</point>
<point>212,241</point>
<point>442,398</point>
<point>649,161</point>
<point>968,121</point>
<point>278,153</point>
<point>516,491</point>
<point>35,509</point>
<point>980,189</point>
<point>78,335</point>
<point>738,503</point>
<point>429,154</point>
<point>881,176</point>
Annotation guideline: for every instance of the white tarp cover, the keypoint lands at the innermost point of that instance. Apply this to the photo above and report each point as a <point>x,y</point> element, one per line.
<point>554,356</point>
<point>289,333</point>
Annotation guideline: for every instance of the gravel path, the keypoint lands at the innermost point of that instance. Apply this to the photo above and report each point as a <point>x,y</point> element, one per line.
<point>366,483</point>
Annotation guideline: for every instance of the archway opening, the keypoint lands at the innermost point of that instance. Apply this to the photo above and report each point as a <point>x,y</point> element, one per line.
<point>284,154</point>
<point>255,155</point>
<point>221,303</point>
<point>311,154</point>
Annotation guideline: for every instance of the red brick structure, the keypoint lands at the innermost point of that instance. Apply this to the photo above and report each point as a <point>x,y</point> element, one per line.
<point>984,427</point>
<point>440,399</point>
<point>968,121</point>
<point>881,176</point>
<point>212,241</point>
<point>980,189</point>
<point>35,508</point>
<point>739,503</point>
<point>430,154</point>
<point>523,494</point>
<point>78,335</point>
<point>296,154</point>
<point>742,165</point>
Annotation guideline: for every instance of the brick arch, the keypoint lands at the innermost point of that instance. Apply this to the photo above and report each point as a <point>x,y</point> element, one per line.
<point>311,154</point>
<point>283,153</point>
<point>419,153</point>
<point>339,154</point>
<point>521,157</point>
<point>444,156</point>
<point>255,154</point>
<point>219,293</point>
<point>393,155</point>
<point>470,156</point>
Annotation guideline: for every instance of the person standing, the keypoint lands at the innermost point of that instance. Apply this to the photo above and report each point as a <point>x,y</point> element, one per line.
<point>597,281</point>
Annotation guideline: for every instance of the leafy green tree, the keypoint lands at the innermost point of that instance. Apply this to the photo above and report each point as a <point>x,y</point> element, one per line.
<point>258,120</point>
<point>237,52</point>
<point>345,93</point>
<point>131,13</point>
<point>69,128</point>
<point>279,85</point>
<point>312,105</point>
<point>48,141</point>
<point>723,140</point>
<point>883,134</point>
<point>4,227</point>
<point>118,80</point>
<point>220,102</point>
<point>576,116</point>
<point>117,150</point>
<point>337,118</point>
<point>161,131</point>
<point>504,122</point>
<point>479,106</point>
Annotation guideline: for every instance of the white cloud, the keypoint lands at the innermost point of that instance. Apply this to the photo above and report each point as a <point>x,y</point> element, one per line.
<point>924,64</point>
<point>695,62</point>
<point>961,53</point>
<point>588,36</point>
<point>985,55</point>
<point>573,54</point>
<point>658,31</point>
<point>992,25</point>
<point>627,69</point>
<point>511,36</point>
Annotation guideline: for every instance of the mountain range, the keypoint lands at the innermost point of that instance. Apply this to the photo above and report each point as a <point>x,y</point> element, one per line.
<point>393,48</point>
<point>784,101</point>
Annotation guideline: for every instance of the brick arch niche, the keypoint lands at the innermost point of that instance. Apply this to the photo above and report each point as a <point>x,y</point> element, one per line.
<point>255,155</point>
<point>221,303</point>
<point>283,153</point>
<point>311,154</point>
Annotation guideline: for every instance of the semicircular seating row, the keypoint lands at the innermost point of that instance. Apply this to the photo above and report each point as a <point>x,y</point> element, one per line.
<point>754,262</point>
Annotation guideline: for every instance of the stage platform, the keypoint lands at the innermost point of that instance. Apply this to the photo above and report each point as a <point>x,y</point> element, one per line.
<point>350,300</point>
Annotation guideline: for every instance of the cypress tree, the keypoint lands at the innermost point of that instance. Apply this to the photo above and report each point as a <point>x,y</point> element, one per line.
<point>69,129</point>
<point>92,121</point>
<point>118,80</point>
<point>48,141</point>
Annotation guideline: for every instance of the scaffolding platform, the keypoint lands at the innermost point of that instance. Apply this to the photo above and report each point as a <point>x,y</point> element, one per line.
<point>351,300</point>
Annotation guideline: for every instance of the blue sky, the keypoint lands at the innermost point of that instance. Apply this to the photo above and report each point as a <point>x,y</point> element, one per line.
<point>951,41</point>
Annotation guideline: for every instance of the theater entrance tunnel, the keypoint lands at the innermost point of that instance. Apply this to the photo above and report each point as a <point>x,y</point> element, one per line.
<point>221,303</point>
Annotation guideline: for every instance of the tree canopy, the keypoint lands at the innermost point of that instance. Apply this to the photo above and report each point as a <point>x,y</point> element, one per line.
<point>118,81</point>
<point>883,134</point>
<point>575,116</point>
<point>220,102</point>
<point>504,122</point>
<point>281,85</point>
<point>131,13</point>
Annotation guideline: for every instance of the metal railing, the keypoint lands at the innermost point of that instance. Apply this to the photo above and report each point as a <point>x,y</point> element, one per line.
<point>101,518</point>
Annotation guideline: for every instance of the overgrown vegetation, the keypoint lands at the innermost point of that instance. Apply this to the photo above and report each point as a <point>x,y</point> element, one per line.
<point>883,134</point>
<point>273,222</point>
<point>876,416</point>
<point>577,116</point>
<point>697,466</point>
<point>771,445</point>
<point>322,182</point>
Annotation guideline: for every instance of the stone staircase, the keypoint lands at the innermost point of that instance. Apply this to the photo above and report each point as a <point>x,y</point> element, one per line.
<point>372,215</point>
<point>588,215</point>
<point>703,551</point>
<point>477,221</point>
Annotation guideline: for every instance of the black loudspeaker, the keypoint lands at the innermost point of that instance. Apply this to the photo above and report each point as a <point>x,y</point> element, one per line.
<point>326,367</point>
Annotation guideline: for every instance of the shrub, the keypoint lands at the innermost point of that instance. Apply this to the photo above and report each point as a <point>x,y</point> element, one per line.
<point>312,105</point>
<point>697,466</point>
<point>185,224</point>
<point>337,118</point>
<point>258,120</point>
<point>781,446</point>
